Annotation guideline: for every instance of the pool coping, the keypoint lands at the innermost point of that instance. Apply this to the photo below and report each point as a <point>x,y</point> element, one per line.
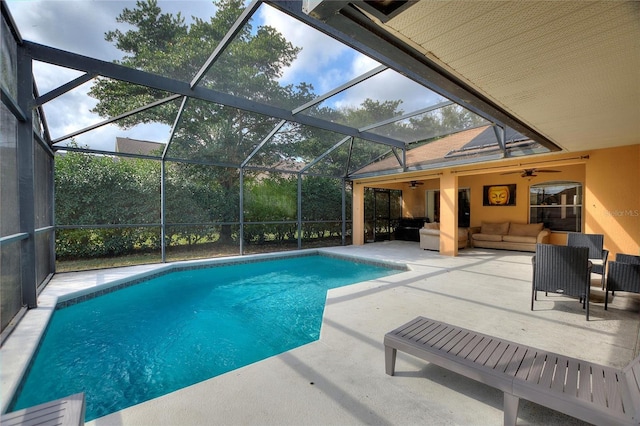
<point>28,333</point>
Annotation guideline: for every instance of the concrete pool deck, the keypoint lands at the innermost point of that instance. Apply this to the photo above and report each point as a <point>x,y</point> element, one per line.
<point>340,379</point>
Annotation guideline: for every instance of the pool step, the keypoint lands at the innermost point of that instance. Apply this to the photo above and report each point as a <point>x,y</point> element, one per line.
<point>65,411</point>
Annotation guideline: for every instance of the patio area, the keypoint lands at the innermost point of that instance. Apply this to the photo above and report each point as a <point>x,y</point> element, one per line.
<point>340,379</point>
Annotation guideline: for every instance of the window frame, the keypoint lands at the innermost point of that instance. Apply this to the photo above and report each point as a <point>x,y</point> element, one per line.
<point>554,209</point>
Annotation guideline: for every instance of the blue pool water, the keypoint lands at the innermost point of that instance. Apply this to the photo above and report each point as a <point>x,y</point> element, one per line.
<point>181,328</point>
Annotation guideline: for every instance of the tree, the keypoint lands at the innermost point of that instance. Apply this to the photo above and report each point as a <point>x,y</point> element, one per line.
<point>217,138</point>
<point>163,44</point>
<point>102,190</point>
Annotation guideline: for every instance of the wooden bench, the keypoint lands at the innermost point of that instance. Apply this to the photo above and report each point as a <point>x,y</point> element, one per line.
<point>587,391</point>
<point>66,411</point>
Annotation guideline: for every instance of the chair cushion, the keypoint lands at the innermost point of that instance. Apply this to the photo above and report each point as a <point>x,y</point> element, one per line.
<point>501,228</point>
<point>430,225</point>
<point>424,231</point>
<point>526,229</point>
<point>519,239</point>
<point>487,237</point>
<point>598,262</point>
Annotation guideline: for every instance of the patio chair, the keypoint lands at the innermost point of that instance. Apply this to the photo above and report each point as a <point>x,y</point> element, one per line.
<point>623,275</point>
<point>597,254</point>
<point>563,270</point>
<point>628,258</point>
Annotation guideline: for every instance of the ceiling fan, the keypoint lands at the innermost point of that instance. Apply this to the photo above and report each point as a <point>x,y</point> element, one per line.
<point>532,172</point>
<point>414,184</point>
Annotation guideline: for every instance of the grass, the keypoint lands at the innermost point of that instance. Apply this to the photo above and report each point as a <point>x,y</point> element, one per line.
<point>198,251</point>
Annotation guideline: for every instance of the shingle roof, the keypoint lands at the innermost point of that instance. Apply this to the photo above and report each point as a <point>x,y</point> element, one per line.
<point>136,146</point>
<point>429,152</point>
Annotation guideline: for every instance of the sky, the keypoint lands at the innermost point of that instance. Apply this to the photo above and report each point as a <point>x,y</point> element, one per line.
<point>79,26</point>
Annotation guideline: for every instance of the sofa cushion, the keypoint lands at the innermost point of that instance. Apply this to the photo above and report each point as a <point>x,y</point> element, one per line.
<point>487,237</point>
<point>525,229</point>
<point>501,228</point>
<point>518,239</point>
<point>425,231</point>
<point>434,225</point>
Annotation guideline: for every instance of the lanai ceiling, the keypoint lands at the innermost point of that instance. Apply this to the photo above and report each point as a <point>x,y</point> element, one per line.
<point>568,69</point>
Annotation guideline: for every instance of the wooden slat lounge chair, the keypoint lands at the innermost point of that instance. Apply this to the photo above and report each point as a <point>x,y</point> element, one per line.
<point>61,412</point>
<point>587,391</point>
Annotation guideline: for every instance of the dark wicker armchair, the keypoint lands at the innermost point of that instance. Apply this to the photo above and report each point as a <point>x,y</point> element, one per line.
<point>564,270</point>
<point>597,254</point>
<point>623,275</point>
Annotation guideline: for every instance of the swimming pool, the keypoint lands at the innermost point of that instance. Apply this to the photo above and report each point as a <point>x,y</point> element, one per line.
<point>180,328</point>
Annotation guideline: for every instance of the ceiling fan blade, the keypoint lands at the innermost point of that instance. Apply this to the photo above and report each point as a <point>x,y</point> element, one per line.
<point>530,172</point>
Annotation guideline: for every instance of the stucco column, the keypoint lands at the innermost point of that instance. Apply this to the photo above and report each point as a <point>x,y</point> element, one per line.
<point>449,214</point>
<point>357,231</point>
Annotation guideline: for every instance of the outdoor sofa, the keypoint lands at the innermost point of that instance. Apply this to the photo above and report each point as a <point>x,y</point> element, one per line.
<point>509,236</point>
<point>430,236</point>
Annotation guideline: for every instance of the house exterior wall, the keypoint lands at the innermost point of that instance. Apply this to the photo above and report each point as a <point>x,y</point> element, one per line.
<point>519,213</point>
<point>612,198</point>
<point>611,194</point>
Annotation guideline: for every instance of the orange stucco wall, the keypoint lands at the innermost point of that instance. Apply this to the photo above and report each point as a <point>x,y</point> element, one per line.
<point>358,215</point>
<point>612,198</point>
<point>448,214</point>
<point>611,201</point>
<point>520,212</point>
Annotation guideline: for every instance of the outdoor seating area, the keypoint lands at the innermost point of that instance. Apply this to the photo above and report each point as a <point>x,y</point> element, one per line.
<point>567,269</point>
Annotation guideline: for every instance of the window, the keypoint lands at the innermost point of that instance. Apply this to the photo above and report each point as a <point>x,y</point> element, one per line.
<point>382,212</point>
<point>556,204</point>
<point>432,206</point>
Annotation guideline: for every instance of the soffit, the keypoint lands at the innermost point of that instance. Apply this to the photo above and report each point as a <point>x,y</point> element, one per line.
<point>568,69</point>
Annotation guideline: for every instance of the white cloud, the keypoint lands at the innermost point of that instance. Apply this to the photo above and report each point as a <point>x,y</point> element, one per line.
<point>362,64</point>
<point>390,86</point>
<point>75,26</point>
<point>104,138</point>
<point>328,64</point>
<point>79,27</point>
<point>49,77</point>
<point>71,113</point>
<point>321,60</point>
